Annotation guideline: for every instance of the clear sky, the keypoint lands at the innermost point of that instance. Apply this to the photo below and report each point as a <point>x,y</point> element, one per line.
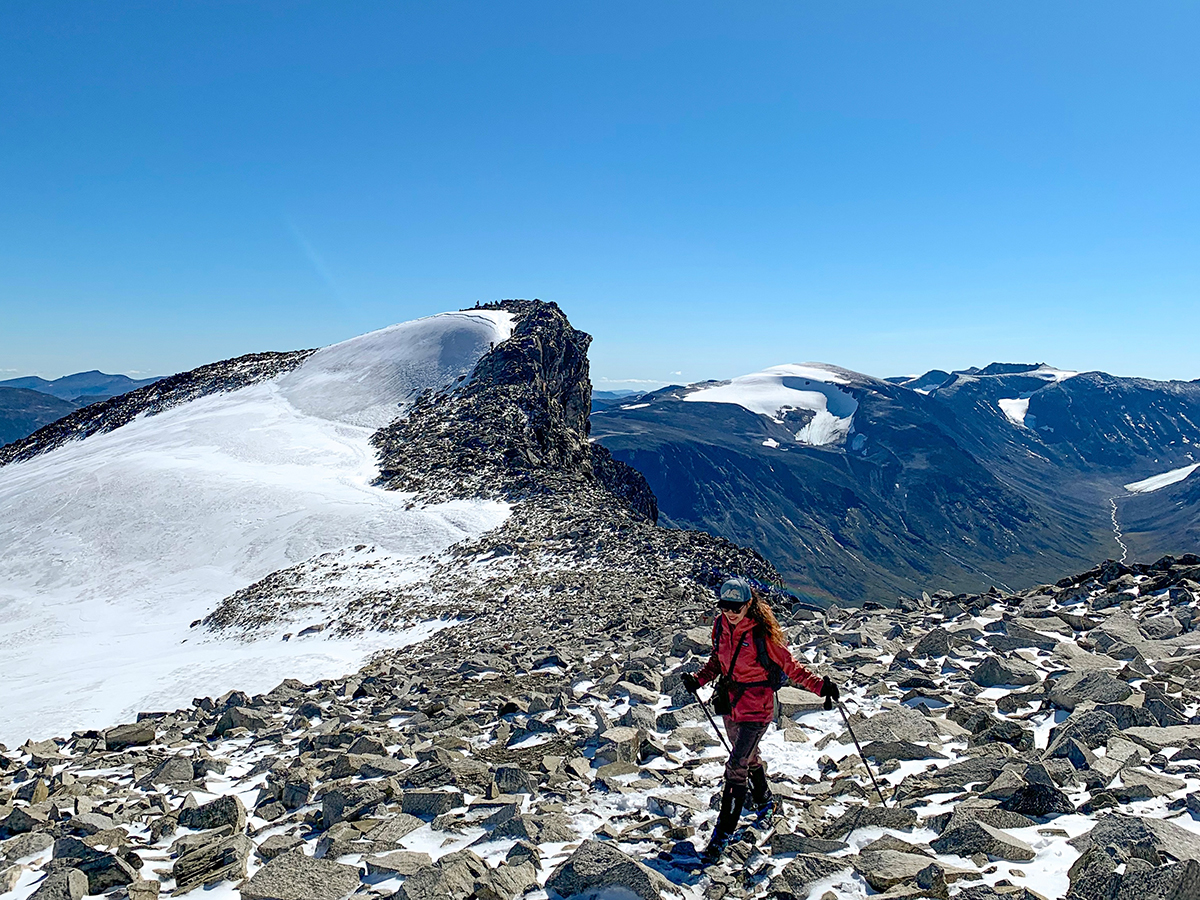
<point>707,188</point>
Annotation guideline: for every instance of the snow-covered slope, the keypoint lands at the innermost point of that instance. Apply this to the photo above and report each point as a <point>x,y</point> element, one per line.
<point>781,389</point>
<point>114,545</point>
<point>1158,482</point>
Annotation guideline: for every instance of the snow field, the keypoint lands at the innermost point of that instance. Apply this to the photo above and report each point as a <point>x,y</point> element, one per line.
<point>113,546</point>
<point>1157,482</point>
<point>778,389</point>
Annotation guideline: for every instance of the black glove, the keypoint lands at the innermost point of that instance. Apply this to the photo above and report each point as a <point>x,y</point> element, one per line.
<point>690,681</point>
<point>830,692</point>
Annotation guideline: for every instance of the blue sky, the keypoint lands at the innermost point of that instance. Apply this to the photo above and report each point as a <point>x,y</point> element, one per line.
<point>707,188</point>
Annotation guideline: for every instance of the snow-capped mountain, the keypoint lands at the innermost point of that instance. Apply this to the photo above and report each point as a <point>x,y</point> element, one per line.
<point>114,545</point>
<point>862,488</point>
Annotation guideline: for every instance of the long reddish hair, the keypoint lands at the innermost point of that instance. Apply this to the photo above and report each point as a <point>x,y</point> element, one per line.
<point>760,612</point>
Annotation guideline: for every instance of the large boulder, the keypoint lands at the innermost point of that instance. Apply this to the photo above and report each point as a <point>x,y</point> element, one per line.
<point>62,884</point>
<point>103,870</point>
<point>977,837</point>
<point>595,866</point>
<point>798,876</point>
<point>884,869</point>
<point>136,735</point>
<point>895,725</point>
<point>1123,835</point>
<point>1077,687</point>
<point>226,811</point>
<point>223,860</point>
<point>996,671</point>
<point>295,876</point>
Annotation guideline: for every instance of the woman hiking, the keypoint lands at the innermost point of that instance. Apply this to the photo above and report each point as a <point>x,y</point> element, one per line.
<point>750,657</point>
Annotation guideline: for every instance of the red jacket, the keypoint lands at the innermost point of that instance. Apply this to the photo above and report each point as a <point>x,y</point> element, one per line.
<point>756,704</point>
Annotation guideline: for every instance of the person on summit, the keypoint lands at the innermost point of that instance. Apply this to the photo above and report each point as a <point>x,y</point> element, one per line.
<point>751,659</point>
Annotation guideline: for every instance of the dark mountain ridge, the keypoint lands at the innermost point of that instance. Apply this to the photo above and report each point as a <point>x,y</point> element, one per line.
<point>998,475</point>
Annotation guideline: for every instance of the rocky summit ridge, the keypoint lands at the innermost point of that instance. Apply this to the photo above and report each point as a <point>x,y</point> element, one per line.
<point>1038,743</point>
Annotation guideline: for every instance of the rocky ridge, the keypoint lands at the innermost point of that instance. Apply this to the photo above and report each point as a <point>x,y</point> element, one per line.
<point>110,414</point>
<point>1045,743</point>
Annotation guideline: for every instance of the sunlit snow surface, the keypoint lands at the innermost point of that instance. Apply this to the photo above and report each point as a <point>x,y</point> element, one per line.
<point>1015,409</point>
<point>778,389</point>
<point>112,546</point>
<point>1155,482</point>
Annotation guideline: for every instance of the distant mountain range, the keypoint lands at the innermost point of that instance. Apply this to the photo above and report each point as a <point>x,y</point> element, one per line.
<point>26,404</point>
<point>865,488</point>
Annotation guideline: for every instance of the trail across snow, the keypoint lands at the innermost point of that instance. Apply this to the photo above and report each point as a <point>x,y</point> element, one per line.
<point>113,546</point>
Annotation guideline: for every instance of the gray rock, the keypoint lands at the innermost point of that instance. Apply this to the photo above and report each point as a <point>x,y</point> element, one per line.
<point>295,876</point>
<point>798,876</point>
<point>515,780</point>
<point>392,829</point>
<point>1161,627</point>
<point>397,862</point>
<point>1123,835</point>
<point>1177,881</point>
<point>785,842</point>
<point>456,876</point>
<point>1139,784</point>
<point>241,717</point>
<point>935,643</point>
<point>137,734</point>
<point>350,802</point>
<point>977,837</point>
<point>224,860</point>
<point>884,869</point>
<point>172,770</point>
<point>277,845</point>
<point>143,890</point>
<point>996,671</point>
<point>103,870</point>
<point>1076,687</point>
<point>895,725</point>
<point>24,845</point>
<point>63,884</point>
<point>871,816</point>
<point>595,866</point>
<point>1155,739</point>
<point>430,803</point>
<point>225,811</point>
<point>793,700</point>
<point>1038,800</point>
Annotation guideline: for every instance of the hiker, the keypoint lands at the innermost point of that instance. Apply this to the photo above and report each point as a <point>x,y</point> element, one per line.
<point>750,658</point>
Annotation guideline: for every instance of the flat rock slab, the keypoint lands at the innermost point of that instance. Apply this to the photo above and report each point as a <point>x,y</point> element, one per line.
<point>294,876</point>
<point>398,862</point>
<point>1155,739</point>
<point>978,837</point>
<point>894,726</point>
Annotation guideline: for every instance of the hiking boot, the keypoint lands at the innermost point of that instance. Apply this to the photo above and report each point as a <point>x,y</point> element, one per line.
<point>761,801</point>
<point>733,797</point>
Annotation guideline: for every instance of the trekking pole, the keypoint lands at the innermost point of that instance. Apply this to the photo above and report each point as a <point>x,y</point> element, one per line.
<point>713,723</point>
<point>861,756</point>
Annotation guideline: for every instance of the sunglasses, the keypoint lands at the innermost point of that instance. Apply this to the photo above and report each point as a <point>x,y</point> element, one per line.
<point>733,605</point>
